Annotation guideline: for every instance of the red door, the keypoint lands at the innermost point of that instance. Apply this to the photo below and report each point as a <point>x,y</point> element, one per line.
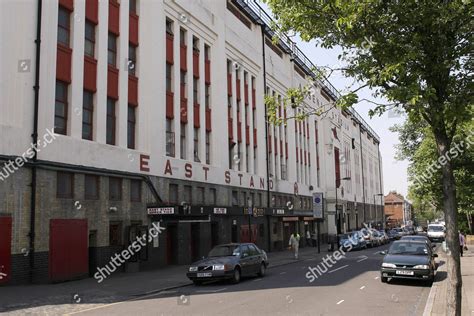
<point>5,248</point>
<point>68,252</point>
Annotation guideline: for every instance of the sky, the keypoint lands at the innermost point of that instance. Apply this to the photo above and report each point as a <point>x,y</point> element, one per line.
<point>394,171</point>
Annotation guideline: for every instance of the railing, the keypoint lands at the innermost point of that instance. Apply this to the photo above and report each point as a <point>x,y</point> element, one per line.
<point>262,17</point>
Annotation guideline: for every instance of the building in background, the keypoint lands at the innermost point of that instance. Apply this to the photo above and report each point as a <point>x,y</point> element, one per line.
<point>398,211</point>
<point>153,111</point>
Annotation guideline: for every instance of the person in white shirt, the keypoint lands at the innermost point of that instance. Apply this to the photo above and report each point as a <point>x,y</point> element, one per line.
<point>294,243</point>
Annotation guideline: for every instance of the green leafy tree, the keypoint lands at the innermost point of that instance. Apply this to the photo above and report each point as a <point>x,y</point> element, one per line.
<point>417,54</point>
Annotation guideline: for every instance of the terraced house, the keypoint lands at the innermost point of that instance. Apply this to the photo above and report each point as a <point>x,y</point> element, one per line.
<point>155,111</point>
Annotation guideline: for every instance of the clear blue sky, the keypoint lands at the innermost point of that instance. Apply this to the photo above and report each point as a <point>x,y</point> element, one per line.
<point>394,172</point>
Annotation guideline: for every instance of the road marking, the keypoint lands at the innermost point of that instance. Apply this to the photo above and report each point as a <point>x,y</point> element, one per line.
<point>376,278</point>
<point>282,272</point>
<point>340,302</point>
<point>362,259</point>
<point>257,280</point>
<point>338,268</point>
<point>362,287</point>
<point>211,291</point>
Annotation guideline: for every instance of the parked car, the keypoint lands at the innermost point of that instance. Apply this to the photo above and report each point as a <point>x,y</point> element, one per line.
<point>368,237</point>
<point>393,234</point>
<point>385,237</point>
<point>229,261</point>
<point>400,232</point>
<point>419,238</point>
<point>356,240</point>
<point>436,232</point>
<point>378,237</point>
<point>408,259</point>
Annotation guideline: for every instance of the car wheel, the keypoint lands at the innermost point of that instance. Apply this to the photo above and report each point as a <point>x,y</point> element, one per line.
<point>384,279</point>
<point>236,275</point>
<point>261,273</point>
<point>197,282</point>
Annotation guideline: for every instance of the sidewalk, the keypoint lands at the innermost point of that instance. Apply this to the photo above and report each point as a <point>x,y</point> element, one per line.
<point>87,293</point>
<point>436,304</point>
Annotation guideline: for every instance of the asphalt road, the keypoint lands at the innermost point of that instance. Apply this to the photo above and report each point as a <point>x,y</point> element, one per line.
<point>350,287</point>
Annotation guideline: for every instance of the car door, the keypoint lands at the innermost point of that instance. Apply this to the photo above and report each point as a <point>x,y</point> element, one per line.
<point>255,262</point>
<point>245,260</point>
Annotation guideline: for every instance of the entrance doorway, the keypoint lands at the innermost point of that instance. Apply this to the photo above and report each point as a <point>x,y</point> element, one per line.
<point>195,238</point>
<point>171,244</point>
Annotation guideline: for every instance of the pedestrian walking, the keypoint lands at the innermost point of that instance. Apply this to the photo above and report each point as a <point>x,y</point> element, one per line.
<point>294,243</point>
<point>462,243</point>
<point>308,238</point>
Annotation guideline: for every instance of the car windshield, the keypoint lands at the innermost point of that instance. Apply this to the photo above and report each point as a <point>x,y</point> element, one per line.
<point>435,228</point>
<point>224,251</point>
<point>410,248</point>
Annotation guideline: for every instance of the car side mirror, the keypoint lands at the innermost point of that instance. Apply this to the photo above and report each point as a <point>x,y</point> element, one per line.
<point>382,252</point>
<point>435,255</point>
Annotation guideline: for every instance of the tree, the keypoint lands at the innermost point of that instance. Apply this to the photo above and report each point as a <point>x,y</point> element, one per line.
<point>418,55</point>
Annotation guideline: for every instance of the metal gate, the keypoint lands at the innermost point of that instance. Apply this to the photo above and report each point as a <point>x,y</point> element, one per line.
<point>5,248</point>
<point>68,252</point>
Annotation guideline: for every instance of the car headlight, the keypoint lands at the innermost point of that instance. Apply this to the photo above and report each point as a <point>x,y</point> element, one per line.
<point>193,269</point>
<point>218,267</point>
<point>422,266</point>
<point>388,265</point>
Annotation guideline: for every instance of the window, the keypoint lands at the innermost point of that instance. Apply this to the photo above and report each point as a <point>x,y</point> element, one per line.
<point>235,198</point>
<point>111,122</point>
<point>212,196</point>
<point>63,26</point>
<point>182,37</point>
<point>183,141</point>
<point>132,59</point>
<point>89,43</point>
<point>169,78</point>
<point>91,187</point>
<point>131,121</point>
<point>169,138</point>
<point>87,114</point>
<point>133,6</point>
<point>169,26</point>
<point>173,193</point>
<point>243,199</point>
<point>60,108</point>
<point>207,96</point>
<point>207,50</point>
<point>195,91</point>
<point>135,190</point>
<point>259,199</point>
<point>196,145</point>
<point>112,50</point>
<point>188,194</point>
<point>183,84</point>
<point>64,185</point>
<point>208,148</point>
<point>115,234</point>
<point>200,196</point>
<point>195,44</point>
<point>247,160</point>
<point>115,189</point>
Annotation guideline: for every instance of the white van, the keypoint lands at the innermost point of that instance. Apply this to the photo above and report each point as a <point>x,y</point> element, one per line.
<point>436,232</point>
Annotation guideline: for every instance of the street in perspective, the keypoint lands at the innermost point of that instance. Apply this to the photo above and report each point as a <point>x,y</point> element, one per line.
<point>236,157</point>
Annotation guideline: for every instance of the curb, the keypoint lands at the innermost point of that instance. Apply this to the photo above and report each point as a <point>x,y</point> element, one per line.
<point>434,289</point>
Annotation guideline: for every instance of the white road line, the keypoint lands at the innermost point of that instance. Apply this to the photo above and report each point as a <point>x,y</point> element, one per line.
<point>376,278</point>
<point>362,287</point>
<point>338,268</point>
<point>282,272</point>
<point>257,280</point>
<point>360,260</point>
<point>211,291</point>
<point>340,302</point>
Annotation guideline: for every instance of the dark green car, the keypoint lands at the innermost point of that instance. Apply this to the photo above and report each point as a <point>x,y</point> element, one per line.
<point>408,259</point>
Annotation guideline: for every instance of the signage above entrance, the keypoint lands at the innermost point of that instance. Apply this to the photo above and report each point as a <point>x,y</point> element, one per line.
<point>160,210</point>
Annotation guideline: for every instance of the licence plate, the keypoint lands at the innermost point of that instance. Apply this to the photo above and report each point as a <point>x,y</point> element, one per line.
<point>204,274</point>
<point>404,272</point>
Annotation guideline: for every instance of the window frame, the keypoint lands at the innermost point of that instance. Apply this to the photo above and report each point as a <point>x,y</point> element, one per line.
<point>138,184</point>
<point>65,105</point>
<point>118,182</point>
<point>112,51</point>
<point>132,57</point>
<point>87,184</point>
<point>67,28</point>
<point>89,40</point>
<point>111,119</point>
<point>88,108</point>
<point>170,139</point>
<point>131,127</point>
<point>64,194</point>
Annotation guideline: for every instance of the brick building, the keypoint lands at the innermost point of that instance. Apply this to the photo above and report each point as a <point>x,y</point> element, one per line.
<point>153,111</point>
<point>398,211</point>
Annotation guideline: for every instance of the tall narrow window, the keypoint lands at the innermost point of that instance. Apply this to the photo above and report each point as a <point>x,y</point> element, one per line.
<point>132,59</point>
<point>60,108</point>
<point>182,37</point>
<point>196,145</point>
<point>183,84</point>
<point>115,189</point>
<point>183,141</point>
<point>135,190</point>
<point>112,50</point>
<point>169,26</point>
<point>208,148</point>
<point>64,26</point>
<point>64,185</point>
<point>169,81</point>
<point>195,91</point>
<point>131,122</point>
<point>89,44</point>
<point>111,121</point>
<point>91,187</point>
<point>87,114</point>
<point>207,96</point>
<point>132,6</point>
<point>169,138</point>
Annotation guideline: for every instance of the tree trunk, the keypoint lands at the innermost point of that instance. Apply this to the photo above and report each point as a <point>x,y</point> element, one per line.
<point>452,237</point>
